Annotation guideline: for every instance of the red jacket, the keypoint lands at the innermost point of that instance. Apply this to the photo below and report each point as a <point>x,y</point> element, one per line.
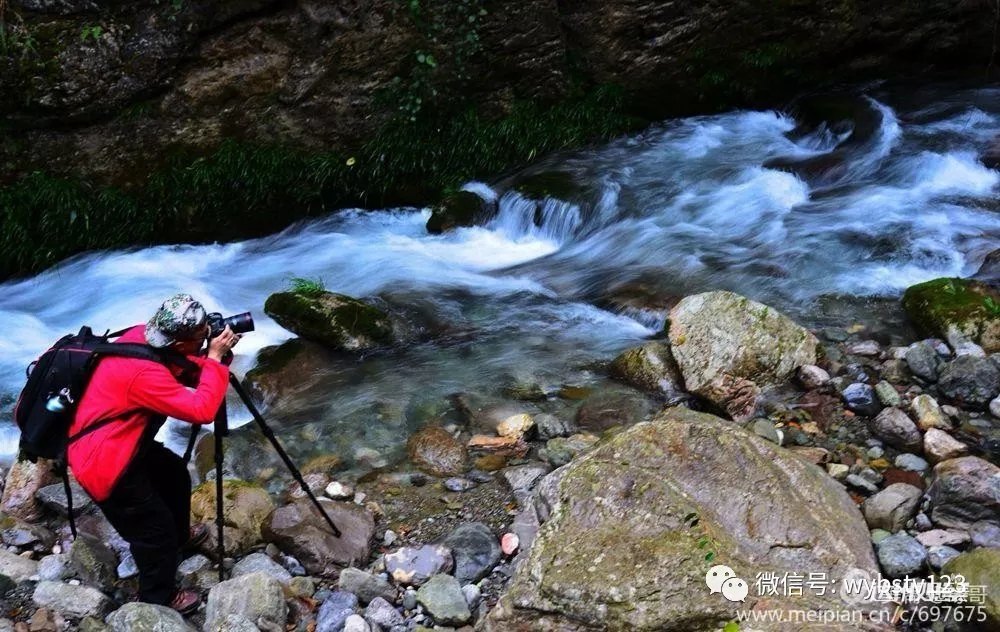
<point>137,394</point>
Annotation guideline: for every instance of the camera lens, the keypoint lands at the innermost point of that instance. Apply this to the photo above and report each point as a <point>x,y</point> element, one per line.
<point>240,323</point>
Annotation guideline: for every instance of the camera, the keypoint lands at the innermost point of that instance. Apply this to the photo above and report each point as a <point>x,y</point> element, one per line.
<point>239,323</point>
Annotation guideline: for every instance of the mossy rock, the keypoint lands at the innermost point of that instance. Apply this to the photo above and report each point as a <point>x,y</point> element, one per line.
<point>245,508</point>
<point>650,367</point>
<point>981,567</point>
<point>950,305</point>
<point>549,184</point>
<point>334,320</point>
<point>462,208</point>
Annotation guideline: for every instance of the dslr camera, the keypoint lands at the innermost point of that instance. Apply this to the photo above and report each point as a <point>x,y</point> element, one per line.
<point>239,323</point>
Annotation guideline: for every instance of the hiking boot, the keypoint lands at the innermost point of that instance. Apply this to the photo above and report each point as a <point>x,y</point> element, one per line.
<point>185,602</point>
<point>199,533</point>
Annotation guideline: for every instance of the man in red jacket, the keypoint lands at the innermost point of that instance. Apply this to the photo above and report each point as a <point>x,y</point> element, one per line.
<point>143,488</point>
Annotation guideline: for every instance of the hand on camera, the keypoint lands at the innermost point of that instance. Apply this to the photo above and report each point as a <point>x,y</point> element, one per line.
<point>222,344</point>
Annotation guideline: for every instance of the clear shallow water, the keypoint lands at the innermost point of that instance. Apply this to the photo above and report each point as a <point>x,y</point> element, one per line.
<point>743,201</point>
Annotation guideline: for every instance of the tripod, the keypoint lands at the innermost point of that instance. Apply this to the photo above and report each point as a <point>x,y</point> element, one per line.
<point>222,430</point>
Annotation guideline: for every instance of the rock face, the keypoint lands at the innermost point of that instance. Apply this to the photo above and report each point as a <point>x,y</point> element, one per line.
<point>299,530</point>
<point>334,320</point>
<point>245,507</point>
<point>728,347</point>
<point>947,305</point>
<point>964,491</point>
<point>255,597</point>
<point>981,567</point>
<point>23,480</point>
<point>643,508</point>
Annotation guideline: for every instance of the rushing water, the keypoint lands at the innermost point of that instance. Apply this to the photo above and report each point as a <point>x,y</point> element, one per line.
<point>745,201</point>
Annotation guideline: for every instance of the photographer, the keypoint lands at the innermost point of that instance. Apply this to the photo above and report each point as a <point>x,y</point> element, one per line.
<point>142,487</point>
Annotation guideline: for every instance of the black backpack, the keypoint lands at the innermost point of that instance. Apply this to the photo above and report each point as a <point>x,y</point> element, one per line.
<point>56,381</point>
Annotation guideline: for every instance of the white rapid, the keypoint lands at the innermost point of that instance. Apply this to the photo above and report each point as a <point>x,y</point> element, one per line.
<point>743,201</point>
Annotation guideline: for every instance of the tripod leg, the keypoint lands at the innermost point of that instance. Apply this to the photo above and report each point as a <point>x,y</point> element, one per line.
<point>296,474</point>
<point>220,429</point>
<point>192,442</point>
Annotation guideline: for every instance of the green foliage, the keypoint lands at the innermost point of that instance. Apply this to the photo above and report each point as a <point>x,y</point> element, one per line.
<point>244,189</point>
<point>307,287</point>
<point>91,31</point>
<point>17,40</point>
<point>992,306</point>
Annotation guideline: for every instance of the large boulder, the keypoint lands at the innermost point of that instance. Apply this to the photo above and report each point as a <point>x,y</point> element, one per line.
<point>970,381</point>
<point>946,306</point>
<point>650,367</point>
<point>965,490</point>
<point>728,347</point>
<point>245,508</point>
<point>981,567</point>
<point>72,602</point>
<point>634,526</point>
<point>337,321</point>
<point>301,531</point>
<point>146,617</point>
<point>23,481</point>
<point>461,208</point>
<point>257,597</point>
<point>286,369</point>
<point>475,550</point>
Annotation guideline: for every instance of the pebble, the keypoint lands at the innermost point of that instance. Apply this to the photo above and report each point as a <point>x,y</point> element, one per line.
<point>943,537</point>
<point>356,623</point>
<point>839,471</point>
<point>764,428</point>
<point>335,611</point>
<point>857,482</point>
<point>875,452</point>
<point>509,543</point>
<point>415,565</point>
<point>339,491</point>
<point>516,425</point>
<point>995,407</point>
<point>941,446</point>
<point>868,348</point>
<point>895,428</point>
<point>923,360</point>
<point>861,399</point>
<point>409,599</point>
<point>389,537</point>
<point>928,414</point>
<point>479,476</point>
<point>458,484</point>
<point>472,595</point>
<point>938,556</point>
<point>901,555</point>
<point>922,523</point>
<point>812,377</point>
<point>986,534</point>
<point>887,394</point>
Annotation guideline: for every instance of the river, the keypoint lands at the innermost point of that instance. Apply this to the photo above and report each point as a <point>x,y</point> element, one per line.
<point>826,221</point>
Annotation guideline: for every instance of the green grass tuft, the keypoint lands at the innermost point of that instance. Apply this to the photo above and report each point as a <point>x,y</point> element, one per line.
<point>307,287</point>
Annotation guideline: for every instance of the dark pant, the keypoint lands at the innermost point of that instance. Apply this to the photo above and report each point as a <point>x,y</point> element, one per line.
<point>150,507</point>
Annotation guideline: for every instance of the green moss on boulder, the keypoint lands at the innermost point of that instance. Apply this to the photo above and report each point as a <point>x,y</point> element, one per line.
<point>334,320</point>
<point>981,567</point>
<point>950,305</point>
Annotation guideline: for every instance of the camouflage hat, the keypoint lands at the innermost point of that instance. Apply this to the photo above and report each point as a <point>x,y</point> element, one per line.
<point>179,318</point>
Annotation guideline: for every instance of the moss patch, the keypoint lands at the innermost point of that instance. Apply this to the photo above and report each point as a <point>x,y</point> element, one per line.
<point>969,306</point>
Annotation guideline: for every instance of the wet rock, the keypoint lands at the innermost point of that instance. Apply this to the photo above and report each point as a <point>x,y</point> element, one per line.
<point>356,623</point>
<point>94,562</point>
<point>443,598</point>
<point>928,414</point>
<point>942,305</point>
<point>985,533</point>
<point>868,348</point>
<point>940,446</point>
<point>649,367</point>
<point>366,586</point>
<point>981,567</point>
<point>334,320</point>
<point>461,208</point>
<point>381,615</point>
<point>339,491</point>
<point>516,425</point>
<point>896,429</point>
<point>995,407</point>
<point>911,463</point>
<point>550,426</point>
<point>891,508</point>
<point>901,555</point>
<point>524,477</point>
<point>415,565</point>
<point>194,564</point>
<point>562,450</point>
<point>895,371</point>
<point>73,602</point>
<point>22,481</point>
<point>25,535</point>
<point>838,471</point>
<point>436,452</point>
<point>861,399</point>
<point>970,381</point>
<point>147,617</point>
<point>334,611</point>
<point>764,428</point>
<point>475,551</point>
<point>636,534</point>
<point>283,371</point>
<point>965,490</point>
<point>260,563</point>
<point>812,377</point>
<point>301,531</point>
<point>861,483</point>
<point>610,408</point>
<point>16,567</point>
<point>923,361</point>
<point>498,446</point>
<point>258,598</point>
<point>245,508</point>
<point>510,543</point>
